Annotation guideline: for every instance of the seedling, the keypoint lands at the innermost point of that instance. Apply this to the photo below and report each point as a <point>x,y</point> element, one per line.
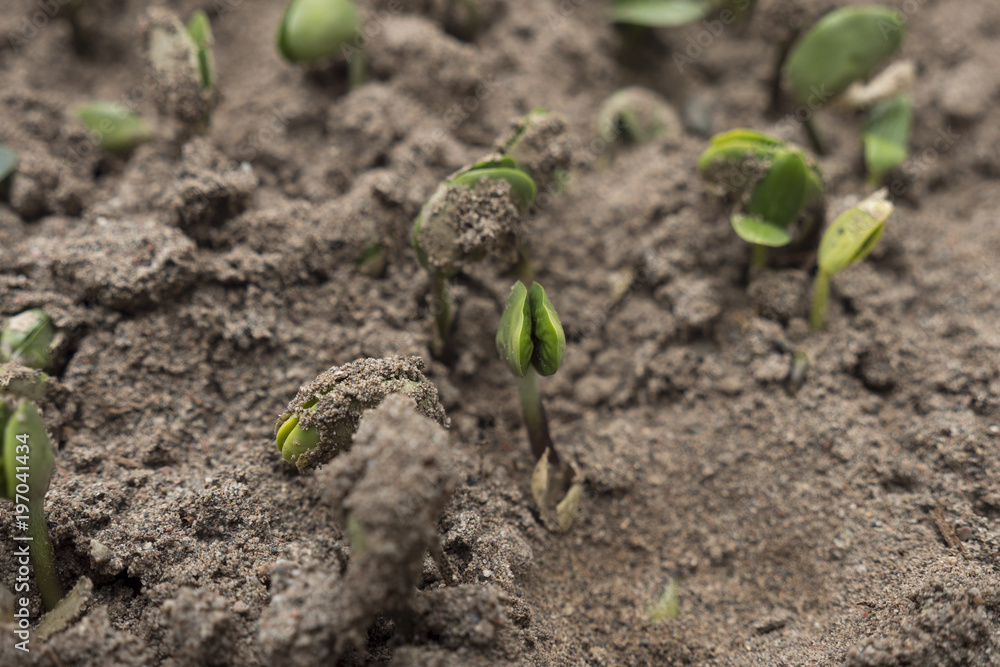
<point>776,183</point>
<point>849,239</point>
<point>887,130</point>
<point>116,129</point>
<point>843,47</point>
<point>636,115</point>
<point>199,29</point>
<point>27,464</point>
<point>531,340</point>
<point>322,418</point>
<point>475,212</point>
<point>539,146</point>
<point>26,339</point>
<point>182,57</point>
<point>316,30</point>
<point>668,13</point>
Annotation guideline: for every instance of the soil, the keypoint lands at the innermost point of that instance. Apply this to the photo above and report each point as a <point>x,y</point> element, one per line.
<point>198,283</point>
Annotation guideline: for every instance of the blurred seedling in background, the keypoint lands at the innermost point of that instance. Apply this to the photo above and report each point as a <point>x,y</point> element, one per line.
<point>777,185</point>
<point>115,129</point>
<point>637,115</point>
<point>318,32</point>
<point>531,341</point>
<point>476,212</point>
<point>670,13</point>
<point>849,239</point>
<point>321,420</point>
<point>8,165</point>
<point>26,339</point>
<point>830,62</point>
<point>181,56</point>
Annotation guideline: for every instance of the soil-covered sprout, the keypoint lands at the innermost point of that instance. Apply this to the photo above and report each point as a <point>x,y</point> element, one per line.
<point>540,147</point>
<point>27,464</point>
<point>849,238</point>
<point>531,340</point>
<point>843,47</point>
<point>26,339</point>
<point>182,58</point>
<point>116,129</point>
<point>637,115</point>
<point>886,133</point>
<point>776,183</point>
<point>322,418</point>
<point>476,212</point>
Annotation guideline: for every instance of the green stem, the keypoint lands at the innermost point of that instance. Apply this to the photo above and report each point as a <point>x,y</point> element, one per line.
<point>442,313</point>
<point>815,138</point>
<point>525,267</point>
<point>357,70</point>
<point>821,294</point>
<point>758,258</point>
<point>535,420</point>
<point>42,559</point>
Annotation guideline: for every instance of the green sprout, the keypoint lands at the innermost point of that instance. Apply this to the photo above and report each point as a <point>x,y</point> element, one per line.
<point>668,13</point>
<point>26,339</point>
<point>777,182</point>
<point>637,115</point>
<point>886,133</point>
<point>116,129</point>
<point>317,30</point>
<point>531,341</point>
<point>844,47</point>
<point>182,56</point>
<point>321,420</point>
<point>26,467</point>
<point>849,239</point>
<point>199,29</point>
<point>475,212</point>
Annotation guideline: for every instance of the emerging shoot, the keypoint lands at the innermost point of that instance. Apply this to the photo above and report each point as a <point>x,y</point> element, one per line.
<point>26,339</point>
<point>886,134</point>
<point>477,211</point>
<point>115,128</point>
<point>315,30</point>
<point>775,183</point>
<point>182,56</point>
<point>668,13</point>
<point>322,418</point>
<point>637,115</point>
<point>849,239</point>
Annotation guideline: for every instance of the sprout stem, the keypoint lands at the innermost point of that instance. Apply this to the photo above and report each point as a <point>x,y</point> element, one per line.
<point>758,259</point>
<point>357,70</point>
<point>42,559</point>
<point>821,294</point>
<point>815,137</point>
<point>442,313</point>
<point>535,420</point>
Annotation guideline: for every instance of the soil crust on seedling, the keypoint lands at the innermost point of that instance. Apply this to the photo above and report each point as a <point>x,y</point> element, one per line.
<point>195,288</point>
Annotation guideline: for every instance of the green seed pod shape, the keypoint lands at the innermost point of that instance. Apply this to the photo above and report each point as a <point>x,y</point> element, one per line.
<point>321,420</point>
<point>780,196</point>
<point>26,339</point>
<point>514,335</point>
<point>854,233</point>
<point>314,29</point>
<point>887,132</point>
<point>843,47</point>
<point>117,129</point>
<point>659,13</point>
<point>546,332</point>
<point>24,427</point>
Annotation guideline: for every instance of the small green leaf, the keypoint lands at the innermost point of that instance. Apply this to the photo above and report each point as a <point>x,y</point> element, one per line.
<point>759,231</point>
<point>854,233</point>
<point>314,29</point>
<point>116,129</point>
<point>514,340</point>
<point>26,339</point>
<point>886,134</point>
<point>780,196</point>
<point>546,332</point>
<point>667,605</point>
<point>659,13</point>
<point>843,47</point>
<point>200,30</point>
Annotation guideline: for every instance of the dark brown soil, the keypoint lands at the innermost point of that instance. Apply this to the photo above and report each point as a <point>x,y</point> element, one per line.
<point>198,283</point>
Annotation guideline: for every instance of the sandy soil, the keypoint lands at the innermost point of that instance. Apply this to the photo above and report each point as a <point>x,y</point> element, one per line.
<point>197,284</point>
